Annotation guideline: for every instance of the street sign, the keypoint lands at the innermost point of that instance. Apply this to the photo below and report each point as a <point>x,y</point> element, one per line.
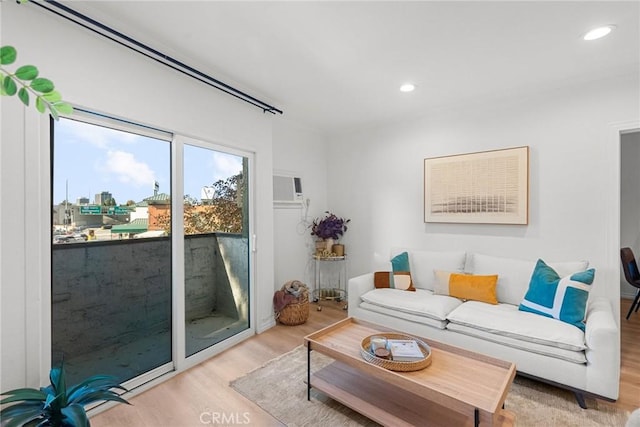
<point>91,210</point>
<point>117,210</point>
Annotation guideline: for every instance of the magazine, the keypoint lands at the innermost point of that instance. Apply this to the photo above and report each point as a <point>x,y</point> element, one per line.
<point>405,350</point>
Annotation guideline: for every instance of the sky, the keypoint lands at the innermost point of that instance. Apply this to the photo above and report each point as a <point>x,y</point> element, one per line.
<point>93,159</point>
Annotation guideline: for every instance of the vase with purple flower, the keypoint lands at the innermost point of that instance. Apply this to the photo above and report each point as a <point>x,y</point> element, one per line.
<point>328,230</point>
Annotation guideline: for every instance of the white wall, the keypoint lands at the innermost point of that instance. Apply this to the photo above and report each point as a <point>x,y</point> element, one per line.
<point>303,152</point>
<point>572,182</point>
<point>100,75</point>
<point>629,201</point>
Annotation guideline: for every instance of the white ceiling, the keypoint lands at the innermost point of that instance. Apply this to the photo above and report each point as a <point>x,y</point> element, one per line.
<point>336,65</point>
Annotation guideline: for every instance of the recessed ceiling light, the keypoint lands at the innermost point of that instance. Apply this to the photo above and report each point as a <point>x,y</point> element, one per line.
<point>599,32</point>
<point>407,87</point>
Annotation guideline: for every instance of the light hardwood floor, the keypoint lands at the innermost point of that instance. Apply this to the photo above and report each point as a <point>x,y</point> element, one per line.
<point>630,359</point>
<point>196,397</point>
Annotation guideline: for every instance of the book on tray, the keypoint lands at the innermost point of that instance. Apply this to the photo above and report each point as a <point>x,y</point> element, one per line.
<point>405,350</point>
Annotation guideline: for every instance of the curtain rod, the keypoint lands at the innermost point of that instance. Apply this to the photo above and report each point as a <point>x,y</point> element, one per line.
<point>151,53</point>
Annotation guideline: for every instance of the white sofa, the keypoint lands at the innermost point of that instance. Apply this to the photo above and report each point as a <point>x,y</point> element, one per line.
<point>586,362</point>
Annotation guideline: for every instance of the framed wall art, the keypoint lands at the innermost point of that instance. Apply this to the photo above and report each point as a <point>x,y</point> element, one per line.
<point>489,187</point>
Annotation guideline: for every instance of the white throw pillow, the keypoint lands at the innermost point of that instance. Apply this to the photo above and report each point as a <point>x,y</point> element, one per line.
<point>441,282</point>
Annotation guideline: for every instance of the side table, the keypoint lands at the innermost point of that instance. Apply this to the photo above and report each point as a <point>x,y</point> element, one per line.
<point>330,279</point>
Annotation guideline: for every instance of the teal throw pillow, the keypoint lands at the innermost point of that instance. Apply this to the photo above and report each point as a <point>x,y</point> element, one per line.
<point>563,298</point>
<point>399,263</point>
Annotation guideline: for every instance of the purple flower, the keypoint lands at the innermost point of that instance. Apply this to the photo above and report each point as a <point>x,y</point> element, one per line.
<point>329,227</point>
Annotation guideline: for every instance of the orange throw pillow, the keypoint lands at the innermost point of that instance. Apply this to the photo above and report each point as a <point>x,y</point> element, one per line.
<point>473,287</point>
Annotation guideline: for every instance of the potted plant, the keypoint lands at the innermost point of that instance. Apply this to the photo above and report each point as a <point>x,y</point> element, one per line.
<point>329,229</point>
<point>56,405</point>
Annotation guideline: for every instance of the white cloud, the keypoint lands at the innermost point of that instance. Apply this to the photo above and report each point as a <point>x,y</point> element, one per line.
<point>225,165</point>
<point>126,169</point>
<point>97,136</point>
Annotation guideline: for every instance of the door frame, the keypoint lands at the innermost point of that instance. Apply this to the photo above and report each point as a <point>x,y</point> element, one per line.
<point>616,130</point>
<point>177,247</point>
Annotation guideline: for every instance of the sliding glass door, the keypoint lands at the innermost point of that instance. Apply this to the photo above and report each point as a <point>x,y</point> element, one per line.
<point>216,246</point>
<point>149,248</point>
<point>111,286</point>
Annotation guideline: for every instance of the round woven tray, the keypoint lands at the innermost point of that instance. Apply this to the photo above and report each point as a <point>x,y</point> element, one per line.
<point>393,365</point>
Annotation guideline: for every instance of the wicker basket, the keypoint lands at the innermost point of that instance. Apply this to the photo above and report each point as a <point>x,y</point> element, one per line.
<point>396,365</point>
<point>297,311</point>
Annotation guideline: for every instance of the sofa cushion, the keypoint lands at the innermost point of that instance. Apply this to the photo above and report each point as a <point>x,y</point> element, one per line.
<point>421,302</point>
<point>563,298</point>
<point>413,318</point>
<point>514,274</point>
<point>507,320</point>
<point>473,287</point>
<point>558,353</point>
<point>423,263</point>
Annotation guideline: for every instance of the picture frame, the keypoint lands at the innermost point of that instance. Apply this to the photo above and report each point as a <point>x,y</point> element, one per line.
<point>487,187</point>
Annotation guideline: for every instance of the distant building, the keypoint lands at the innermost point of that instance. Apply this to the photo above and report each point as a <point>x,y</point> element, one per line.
<point>141,211</point>
<point>82,201</point>
<point>62,214</point>
<point>158,206</point>
<point>101,198</point>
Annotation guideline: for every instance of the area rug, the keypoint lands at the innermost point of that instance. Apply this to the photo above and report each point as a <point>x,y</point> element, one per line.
<point>279,387</point>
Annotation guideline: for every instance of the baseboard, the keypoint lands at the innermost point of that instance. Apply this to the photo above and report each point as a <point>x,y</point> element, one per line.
<point>266,325</point>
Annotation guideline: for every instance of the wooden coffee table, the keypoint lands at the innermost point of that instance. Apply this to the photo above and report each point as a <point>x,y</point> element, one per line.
<point>459,388</point>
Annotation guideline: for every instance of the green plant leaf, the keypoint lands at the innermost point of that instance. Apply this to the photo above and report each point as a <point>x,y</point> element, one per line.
<point>27,72</point>
<point>76,415</point>
<point>19,409</point>
<point>21,413</point>
<point>7,55</point>
<point>64,107</point>
<point>23,94</point>
<point>100,395</point>
<point>96,382</point>
<point>50,399</point>
<point>48,390</point>
<point>9,86</point>
<point>54,113</point>
<point>53,96</point>
<point>42,85</point>
<point>56,376</point>
<point>23,394</point>
<point>41,106</point>
<point>23,419</point>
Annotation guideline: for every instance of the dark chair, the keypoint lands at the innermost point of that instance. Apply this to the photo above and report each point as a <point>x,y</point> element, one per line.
<point>632,275</point>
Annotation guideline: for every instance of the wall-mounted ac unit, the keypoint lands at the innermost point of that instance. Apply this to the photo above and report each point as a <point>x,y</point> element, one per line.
<point>287,189</point>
